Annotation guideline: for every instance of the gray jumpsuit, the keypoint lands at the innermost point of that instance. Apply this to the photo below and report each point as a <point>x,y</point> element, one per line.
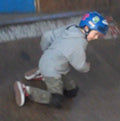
<point>61,48</point>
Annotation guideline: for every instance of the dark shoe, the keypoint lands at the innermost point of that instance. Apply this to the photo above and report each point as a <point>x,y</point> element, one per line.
<point>56,100</point>
<point>71,93</point>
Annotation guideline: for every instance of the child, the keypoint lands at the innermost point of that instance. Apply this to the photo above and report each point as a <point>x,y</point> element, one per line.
<point>62,47</point>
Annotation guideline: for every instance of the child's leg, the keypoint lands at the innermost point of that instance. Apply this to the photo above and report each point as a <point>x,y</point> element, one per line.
<point>35,94</point>
<point>70,87</point>
<point>53,94</point>
<point>54,86</point>
<point>69,83</point>
<point>39,95</point>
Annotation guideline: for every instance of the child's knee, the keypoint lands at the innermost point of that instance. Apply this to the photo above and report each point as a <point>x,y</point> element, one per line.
<point>56,100</point>
<point>54,86</point>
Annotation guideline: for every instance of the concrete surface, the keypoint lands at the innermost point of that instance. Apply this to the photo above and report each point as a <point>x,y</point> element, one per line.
<point>34,29</point>
<point>99,95</point>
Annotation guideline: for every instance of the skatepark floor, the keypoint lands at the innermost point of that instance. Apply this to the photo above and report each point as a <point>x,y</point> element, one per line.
<point>98,98</point>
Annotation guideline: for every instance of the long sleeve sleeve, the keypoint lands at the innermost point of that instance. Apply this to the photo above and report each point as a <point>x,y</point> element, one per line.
<point>78,60</point>
<point>46,40</point>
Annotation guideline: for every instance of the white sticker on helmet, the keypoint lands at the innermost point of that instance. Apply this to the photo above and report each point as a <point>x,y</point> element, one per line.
<point>105,22</point>
<point>96,19</point>
<point>91,24</point>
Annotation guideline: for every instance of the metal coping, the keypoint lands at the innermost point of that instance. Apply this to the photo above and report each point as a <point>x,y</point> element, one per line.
<point>41,18</point>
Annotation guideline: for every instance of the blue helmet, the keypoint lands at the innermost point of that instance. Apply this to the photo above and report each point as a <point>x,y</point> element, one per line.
<point>94,21</point>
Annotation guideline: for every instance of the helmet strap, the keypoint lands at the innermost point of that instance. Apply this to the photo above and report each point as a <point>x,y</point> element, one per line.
<point>86,32</point>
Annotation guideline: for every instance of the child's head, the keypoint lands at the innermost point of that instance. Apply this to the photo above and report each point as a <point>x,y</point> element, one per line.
<point>94,25</point>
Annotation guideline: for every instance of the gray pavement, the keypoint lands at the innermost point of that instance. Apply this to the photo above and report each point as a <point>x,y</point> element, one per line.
<point>99,95</point>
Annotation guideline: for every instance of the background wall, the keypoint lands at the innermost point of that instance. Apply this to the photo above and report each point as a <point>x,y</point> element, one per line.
<point>67,5</point>
<point>52,6</point>
<point>55,6</point>
<point>17,6</point>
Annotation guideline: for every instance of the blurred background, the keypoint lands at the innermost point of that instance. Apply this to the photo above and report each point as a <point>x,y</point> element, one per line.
<point>111,6</point>
<point>53,6</point>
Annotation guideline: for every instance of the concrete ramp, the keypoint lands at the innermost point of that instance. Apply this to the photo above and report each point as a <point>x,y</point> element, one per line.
<point>99,95</point>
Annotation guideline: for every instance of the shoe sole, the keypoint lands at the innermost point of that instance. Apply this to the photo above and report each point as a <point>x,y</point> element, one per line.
<point>19,94</point>
<point>31,74</point>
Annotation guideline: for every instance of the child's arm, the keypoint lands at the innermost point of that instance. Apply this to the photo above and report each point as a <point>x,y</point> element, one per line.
<point>46,40</point>
<point>78,61</point>
<point>86,67</point>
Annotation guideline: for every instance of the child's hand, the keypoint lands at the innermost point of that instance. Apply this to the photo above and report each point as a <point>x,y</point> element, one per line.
<point>87,67</point>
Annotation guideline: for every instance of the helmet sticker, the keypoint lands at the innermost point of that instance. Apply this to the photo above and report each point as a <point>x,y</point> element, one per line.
<point>105,22</point>
<point>96,19</point>
<point>85,16</point>
<point>91,24</point>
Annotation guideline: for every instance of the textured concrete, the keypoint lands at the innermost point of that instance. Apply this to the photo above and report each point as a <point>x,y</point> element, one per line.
<point>99,95</point>
<point>34,29</point>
